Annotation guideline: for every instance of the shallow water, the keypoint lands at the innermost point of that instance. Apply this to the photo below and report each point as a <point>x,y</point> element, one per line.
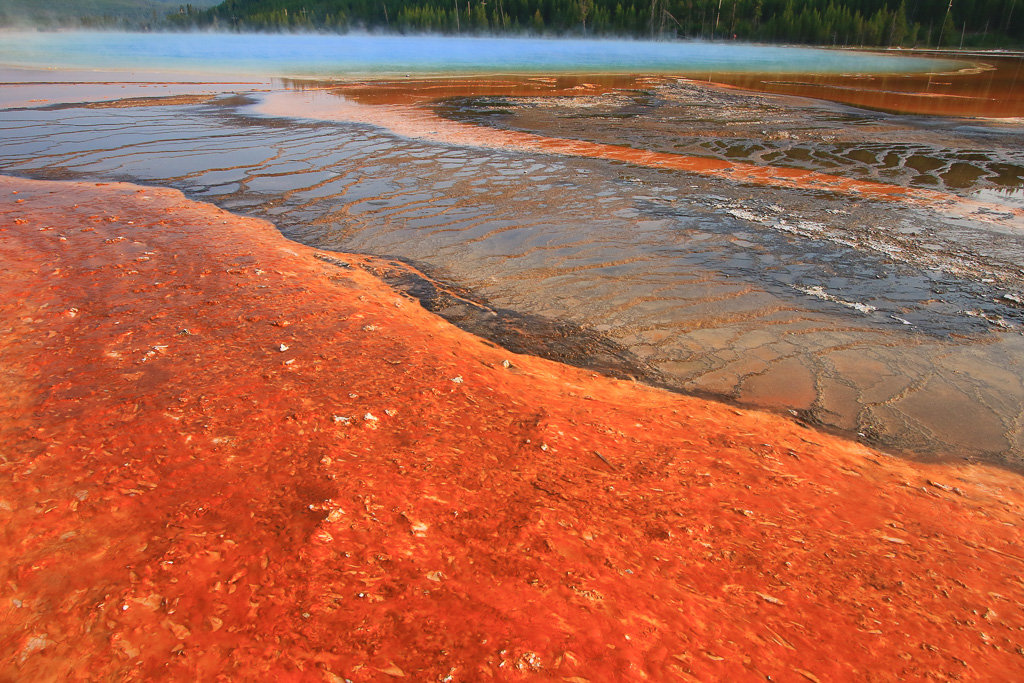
<point>888,319</point>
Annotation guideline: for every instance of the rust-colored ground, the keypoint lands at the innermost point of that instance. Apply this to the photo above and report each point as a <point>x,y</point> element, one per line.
<point>224,458</point>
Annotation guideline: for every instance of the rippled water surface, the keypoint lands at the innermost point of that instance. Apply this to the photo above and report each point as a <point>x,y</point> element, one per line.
<point>899,321</point>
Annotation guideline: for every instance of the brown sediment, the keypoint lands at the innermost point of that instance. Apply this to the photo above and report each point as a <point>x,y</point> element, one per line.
<point>92,93</point>
<point>169,101</point>
<point>422,91</point>
<point>994,89</point>
<point>226,456</point>
<point>330,102</point>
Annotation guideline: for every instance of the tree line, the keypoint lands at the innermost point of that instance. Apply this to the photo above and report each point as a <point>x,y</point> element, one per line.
<point>870,23</point>
<point>910,23</point>
<point>90,14</point>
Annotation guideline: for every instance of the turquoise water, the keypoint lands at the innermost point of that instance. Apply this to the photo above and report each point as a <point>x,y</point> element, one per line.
<point>330,56</point>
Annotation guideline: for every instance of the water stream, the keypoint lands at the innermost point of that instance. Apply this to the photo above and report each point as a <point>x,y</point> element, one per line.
<point>894,321</point>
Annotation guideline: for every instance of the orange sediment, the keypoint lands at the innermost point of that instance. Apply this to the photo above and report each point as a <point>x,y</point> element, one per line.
<point>227,457</point>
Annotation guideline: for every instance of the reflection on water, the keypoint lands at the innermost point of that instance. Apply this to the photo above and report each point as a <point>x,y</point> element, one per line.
<point>878,318</point>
